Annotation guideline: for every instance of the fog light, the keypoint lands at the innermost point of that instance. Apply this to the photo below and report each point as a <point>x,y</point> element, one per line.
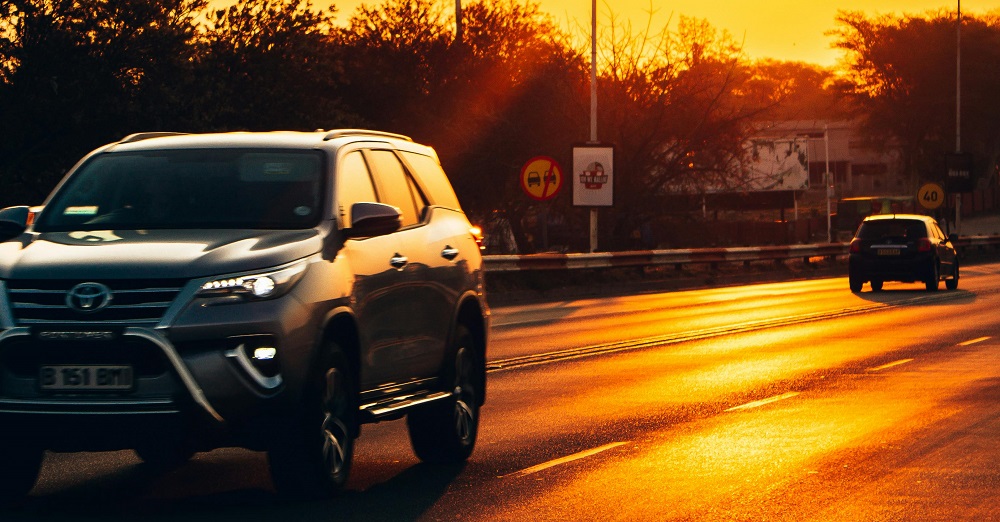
<point>265,353</point>
<point>262,354</point>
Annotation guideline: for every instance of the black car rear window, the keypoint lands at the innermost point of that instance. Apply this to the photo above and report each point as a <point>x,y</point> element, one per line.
<point>892,229</point>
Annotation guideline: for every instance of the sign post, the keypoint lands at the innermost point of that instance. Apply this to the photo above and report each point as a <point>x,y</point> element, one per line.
<point>593,180</point>
<point>541,179</point>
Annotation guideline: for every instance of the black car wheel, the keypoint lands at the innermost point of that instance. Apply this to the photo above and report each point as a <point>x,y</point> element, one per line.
<point>19,471</point>
<point>445,432</point>
<point>877,285</point>
<point>856,283</point>
<point>952,284</point>
<point>934,278</point>
<point>313,459</point>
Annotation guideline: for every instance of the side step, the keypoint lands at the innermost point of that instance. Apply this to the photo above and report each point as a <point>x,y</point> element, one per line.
<point>396,406</point>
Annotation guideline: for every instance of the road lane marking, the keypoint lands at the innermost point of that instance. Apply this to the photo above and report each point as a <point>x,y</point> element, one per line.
<point>563,460</point>
<point>889,365</point>
<point>974,341</point>
<point>762,402</point>
<point>521,361</point>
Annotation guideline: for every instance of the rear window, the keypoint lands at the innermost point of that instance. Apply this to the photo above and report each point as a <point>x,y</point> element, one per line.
<point>430,173</point>
<point>892,229</point>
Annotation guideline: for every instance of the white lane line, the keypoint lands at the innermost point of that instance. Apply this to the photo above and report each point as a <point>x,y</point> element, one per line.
<point>762,402</point>
<point>563,460</point>
<point>974,341</point>
<point>889,365</point>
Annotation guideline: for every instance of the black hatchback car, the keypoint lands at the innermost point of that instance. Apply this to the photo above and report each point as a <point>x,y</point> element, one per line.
<point>902,247</point>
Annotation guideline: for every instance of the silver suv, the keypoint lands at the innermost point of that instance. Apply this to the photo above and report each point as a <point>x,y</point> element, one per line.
<point>274,291</point>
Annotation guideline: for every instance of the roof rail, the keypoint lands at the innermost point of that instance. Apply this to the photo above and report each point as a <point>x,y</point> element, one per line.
<point>340,133</point>
<point>139,136</point>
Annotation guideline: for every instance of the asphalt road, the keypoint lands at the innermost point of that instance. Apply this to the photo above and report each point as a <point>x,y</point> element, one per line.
<point>788,401</point>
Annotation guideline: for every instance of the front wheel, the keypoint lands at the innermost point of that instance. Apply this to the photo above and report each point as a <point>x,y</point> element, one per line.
<point>20,468</point>
<point>934,278</point>
<point>445,432</point>
<point>313,458</point>
<point>952,284</point>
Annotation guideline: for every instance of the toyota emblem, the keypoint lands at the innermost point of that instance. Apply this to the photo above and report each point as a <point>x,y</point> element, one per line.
<point>88,297</point>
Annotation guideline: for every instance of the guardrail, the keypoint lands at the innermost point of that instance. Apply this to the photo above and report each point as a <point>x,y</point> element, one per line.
<point>681,257</point>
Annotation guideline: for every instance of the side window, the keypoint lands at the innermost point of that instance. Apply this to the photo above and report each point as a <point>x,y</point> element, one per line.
<point>395,186</point>
<point>430,173</point>
<point>354,185</point>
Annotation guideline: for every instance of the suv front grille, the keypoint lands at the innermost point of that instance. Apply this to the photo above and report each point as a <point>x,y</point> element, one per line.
<point>133,302</point>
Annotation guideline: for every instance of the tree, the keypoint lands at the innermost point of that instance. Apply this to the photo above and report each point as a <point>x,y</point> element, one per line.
<point>79,74</point>
<point>268,64</point>
<point>902,77</point>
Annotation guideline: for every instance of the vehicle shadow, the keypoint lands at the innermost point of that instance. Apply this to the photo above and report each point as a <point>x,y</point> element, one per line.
<point>141,492</point>
<point>916,295</point>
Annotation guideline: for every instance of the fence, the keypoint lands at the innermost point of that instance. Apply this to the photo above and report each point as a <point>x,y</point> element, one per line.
<point>711,256</point>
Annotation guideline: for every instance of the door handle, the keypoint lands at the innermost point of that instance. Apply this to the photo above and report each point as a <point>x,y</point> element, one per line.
<point>449,252</point>
<point>398,261</point>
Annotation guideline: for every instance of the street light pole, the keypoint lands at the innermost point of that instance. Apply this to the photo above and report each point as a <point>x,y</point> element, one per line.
<point>958,111</point>
<point>829,180</point>
<point>593,108</point>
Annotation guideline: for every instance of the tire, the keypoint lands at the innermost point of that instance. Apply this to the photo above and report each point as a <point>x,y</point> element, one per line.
<point>313,459</point>
<point>877,285</point>
<point>20,472</point>
<point>934,278</point>
<point>164,457</point>
<point>445,432</point>
<point>855,283</point>
<point>952,284</point>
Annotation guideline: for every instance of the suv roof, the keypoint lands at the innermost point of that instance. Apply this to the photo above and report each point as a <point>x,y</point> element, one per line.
<point>319,139</point>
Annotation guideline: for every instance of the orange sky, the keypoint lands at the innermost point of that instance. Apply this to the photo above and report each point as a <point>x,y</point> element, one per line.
<point>782,29</point>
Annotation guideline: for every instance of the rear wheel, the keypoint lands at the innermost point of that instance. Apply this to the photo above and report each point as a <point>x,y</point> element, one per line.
<point>876,285</point>
<point>445,432</point>
<point>952,284</point>
<point>856,283</point>
<point>934,278</point>
<point>20,467</point>
<point>313,459</point>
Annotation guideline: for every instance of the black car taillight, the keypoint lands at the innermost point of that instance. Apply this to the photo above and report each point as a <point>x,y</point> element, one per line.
<point>855,246</point>
<point>924,245</point>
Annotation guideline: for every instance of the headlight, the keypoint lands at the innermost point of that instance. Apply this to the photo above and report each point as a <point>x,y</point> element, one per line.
<point>254,286</point>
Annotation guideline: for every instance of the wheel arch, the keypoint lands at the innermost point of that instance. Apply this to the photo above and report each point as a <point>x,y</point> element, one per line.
<point>341,328</point>
<point>474,316</point>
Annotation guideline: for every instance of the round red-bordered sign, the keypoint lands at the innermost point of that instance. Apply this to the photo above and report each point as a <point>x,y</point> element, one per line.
<point>541,178</point>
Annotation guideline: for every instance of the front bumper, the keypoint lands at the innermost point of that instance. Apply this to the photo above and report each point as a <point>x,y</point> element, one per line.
<point>192,381</point>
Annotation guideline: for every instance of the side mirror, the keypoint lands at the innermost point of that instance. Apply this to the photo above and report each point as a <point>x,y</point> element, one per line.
<point>13,221</point>
<point>373,219</point>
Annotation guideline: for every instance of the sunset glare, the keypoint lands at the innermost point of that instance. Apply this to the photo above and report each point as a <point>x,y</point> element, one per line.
<point>779,29</point>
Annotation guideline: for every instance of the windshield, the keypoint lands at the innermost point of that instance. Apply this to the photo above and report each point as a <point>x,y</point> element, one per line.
<point>190,188</point>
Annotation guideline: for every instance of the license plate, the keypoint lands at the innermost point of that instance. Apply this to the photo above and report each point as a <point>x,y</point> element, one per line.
<point>85,377</point>
<point>888,252</point>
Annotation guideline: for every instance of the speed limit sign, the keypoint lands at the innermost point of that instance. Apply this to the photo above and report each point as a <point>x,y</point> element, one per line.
<point>930,196</point>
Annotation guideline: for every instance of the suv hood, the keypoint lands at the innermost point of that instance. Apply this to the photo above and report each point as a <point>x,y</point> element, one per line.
<point>167,254</point>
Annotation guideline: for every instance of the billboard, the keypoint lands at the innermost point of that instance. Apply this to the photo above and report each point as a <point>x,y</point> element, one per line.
<point>780,164</point>
<point>593,175</point>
